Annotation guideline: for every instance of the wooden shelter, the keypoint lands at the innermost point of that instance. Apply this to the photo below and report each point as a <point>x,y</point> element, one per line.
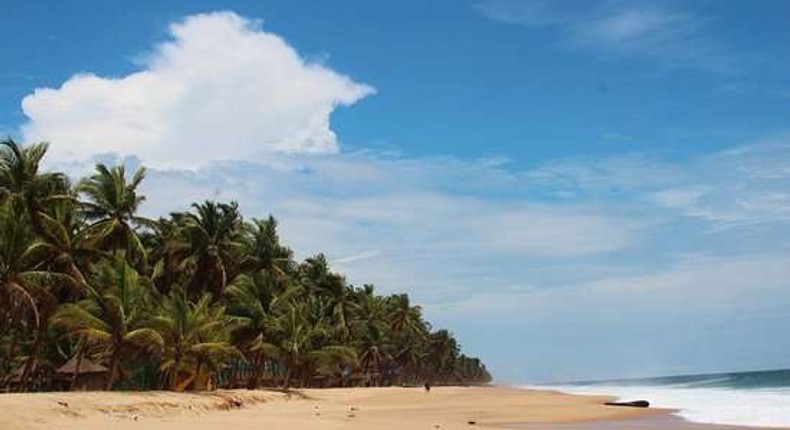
<point>85,374</point>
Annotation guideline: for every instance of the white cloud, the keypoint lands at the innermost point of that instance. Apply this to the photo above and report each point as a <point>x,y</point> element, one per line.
<point>698,313</point>
<point>745,185</point>
<point>427,226</point>
<point>635,26</point>
<point>440,227</point>
<point>222,88</point>
<point>614,175</point>
<point>364,255</point>
<point>618,28</point>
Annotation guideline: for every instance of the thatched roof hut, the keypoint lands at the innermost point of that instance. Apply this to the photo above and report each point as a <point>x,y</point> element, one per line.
<point>85,374</point>
<point>86,366</point>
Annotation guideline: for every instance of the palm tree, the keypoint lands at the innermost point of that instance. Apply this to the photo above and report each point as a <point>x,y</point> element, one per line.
<point>442,353</point>
<point>18,271</point>
<point>110,204</point>
<point>404,318</point>
<point>25,280</point>
<point>371,333</point>
<point>304,344</point>
<point>316,278</point>
<point>62,248</point>
<point>408,331</point>
<point>167,251</point>
<point>213,234</point>
<point>262,248</point>
<point>24,186</point>
<point>194,333</point>
<point>256,301</point>
<point>472,369</point>
<point>114,315</point>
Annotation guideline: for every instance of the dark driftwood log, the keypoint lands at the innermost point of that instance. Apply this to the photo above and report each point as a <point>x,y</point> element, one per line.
<point>634,404</point>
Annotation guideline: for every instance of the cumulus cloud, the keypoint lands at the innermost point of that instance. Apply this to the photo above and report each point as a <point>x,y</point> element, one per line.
<point>220,88</point>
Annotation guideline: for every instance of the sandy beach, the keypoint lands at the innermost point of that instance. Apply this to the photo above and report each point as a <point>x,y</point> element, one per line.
<point>353,408</point>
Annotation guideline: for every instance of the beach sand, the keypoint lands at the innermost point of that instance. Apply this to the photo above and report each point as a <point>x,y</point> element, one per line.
<point>444,408</point>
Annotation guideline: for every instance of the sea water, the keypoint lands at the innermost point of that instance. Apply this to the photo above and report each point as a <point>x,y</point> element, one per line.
<point>760,398</point>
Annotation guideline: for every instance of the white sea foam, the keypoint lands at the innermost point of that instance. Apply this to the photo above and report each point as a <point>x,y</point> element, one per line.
<point>752,407</point>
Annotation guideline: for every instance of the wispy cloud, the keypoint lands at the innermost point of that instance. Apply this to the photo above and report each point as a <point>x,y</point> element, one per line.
<point>673,38</point>
<point>365,255</point>
<point>743,186</point>
<point>629,324</point>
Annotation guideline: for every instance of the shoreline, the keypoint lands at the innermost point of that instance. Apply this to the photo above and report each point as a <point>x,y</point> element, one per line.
<point>386,408</point>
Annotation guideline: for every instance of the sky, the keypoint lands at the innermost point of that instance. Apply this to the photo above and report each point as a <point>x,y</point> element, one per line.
<point>576,189</point>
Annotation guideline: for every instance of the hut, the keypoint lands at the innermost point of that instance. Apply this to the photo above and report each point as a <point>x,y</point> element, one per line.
<point>85,374</point>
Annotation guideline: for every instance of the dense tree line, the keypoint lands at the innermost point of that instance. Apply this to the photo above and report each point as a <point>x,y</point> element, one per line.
<point>200,298</point>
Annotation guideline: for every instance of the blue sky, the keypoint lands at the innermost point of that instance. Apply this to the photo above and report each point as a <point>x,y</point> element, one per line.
<point>577,189</point>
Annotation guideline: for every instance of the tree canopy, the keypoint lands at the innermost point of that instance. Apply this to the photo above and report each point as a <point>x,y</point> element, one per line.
<point>199,298</point>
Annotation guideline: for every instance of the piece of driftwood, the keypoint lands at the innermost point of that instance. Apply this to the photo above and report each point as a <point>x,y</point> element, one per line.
<point>633,404</point>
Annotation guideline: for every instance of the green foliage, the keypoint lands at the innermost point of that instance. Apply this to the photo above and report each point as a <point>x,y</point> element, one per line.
<point>114,317</point>
<point>196,299</point>
<point>110,202</point>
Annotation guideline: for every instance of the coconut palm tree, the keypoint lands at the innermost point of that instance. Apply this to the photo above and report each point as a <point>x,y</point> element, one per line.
<point>403,317</point>
<point>114,316</point>
<point>24,186</point>
<point>256,301</point>
<point>262,248</point>
<point>19,274</point>
<point>408,333</point>
<point>24,279</point>
<point>194,333</point>
<point>213,234</point>
<point>304,344</point>
<point>61,246</point>
<point>316,278</point>
<point>442,354</point>
<point>371,334</point>
<point>110,203</point>
<point>167,252</point>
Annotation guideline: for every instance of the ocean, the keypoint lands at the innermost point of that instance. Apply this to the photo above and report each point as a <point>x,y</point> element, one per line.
<point>759,398</point>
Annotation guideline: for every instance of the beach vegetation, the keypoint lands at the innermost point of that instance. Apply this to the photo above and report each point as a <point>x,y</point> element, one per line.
<point>193,300</point>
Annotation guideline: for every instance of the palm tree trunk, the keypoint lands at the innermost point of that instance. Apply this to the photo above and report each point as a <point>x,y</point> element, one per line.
<point>196,378</point>
<point>289,367</point>
<point>10,358</point>
<point>173,380</point>
<point>287,381</point>
<point>23,382</point>
<point>80,354</point>
<point>113,368</point>
<point>257,371</point>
